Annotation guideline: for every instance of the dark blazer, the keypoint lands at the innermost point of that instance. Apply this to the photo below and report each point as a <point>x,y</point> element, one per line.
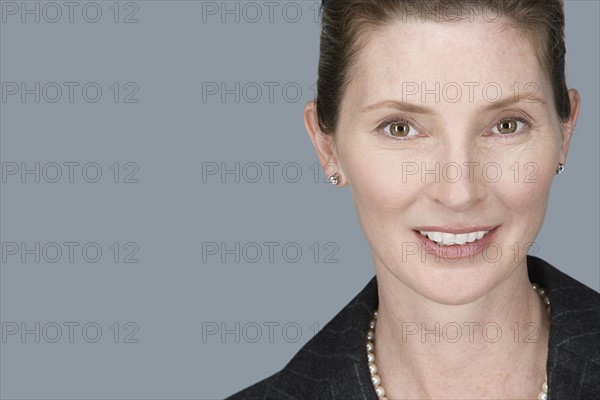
<point>333,364</point>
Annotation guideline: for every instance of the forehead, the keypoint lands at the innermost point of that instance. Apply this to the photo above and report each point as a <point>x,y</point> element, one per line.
<point>468,52</point>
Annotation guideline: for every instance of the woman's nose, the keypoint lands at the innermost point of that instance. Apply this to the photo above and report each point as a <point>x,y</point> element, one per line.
<point>458,184</point>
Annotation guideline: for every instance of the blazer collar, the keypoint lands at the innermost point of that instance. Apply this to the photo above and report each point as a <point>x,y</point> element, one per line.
<point>333,364</point>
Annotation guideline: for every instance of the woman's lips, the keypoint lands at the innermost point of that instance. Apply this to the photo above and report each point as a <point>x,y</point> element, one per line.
<point>456,251</point>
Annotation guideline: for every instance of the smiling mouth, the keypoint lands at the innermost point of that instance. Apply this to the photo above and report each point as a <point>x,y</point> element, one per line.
<point>449,239</point>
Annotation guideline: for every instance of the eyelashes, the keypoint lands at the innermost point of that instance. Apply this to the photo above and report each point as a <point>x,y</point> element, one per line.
<point>384,128</point>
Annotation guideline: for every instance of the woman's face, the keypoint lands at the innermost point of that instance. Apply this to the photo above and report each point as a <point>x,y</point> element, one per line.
<point>448,130</point>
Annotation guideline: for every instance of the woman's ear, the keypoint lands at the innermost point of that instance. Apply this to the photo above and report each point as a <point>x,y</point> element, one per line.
<point>568,127</point>
<point>324,144</point>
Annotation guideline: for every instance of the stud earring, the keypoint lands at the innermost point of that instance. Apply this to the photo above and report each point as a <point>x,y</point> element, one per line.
<point>560,168</point>
<point>334,179</point>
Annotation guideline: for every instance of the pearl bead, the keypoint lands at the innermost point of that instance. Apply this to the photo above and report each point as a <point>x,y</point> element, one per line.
<point>370,347</point>
<point>370,358</point>
<point>543,396</point>
<point>372,369</point>
<point>371,335</point>
<point>376,380</point>
<point>380,391</point>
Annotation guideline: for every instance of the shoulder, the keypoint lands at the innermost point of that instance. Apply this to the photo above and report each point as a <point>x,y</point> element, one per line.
<point>574,310</point>
<point>329,365</point>
<point>258,391</point>
<point>574,342</point>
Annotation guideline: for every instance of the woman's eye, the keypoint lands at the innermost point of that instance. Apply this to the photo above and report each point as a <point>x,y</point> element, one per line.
<point>508,126</point>
<point>399,129</point>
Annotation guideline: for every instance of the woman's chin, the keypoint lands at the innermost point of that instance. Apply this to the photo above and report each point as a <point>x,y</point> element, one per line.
<point>458,283</point>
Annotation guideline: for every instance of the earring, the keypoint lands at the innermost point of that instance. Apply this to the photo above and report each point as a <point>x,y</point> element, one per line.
<point>334,179</point>
<point>560,169</point>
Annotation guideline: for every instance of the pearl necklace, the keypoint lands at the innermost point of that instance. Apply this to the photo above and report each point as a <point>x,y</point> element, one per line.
<point>380,391</point>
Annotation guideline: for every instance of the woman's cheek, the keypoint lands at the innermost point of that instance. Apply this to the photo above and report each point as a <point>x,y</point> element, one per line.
<point>384,182</point>
<point>524,203</point>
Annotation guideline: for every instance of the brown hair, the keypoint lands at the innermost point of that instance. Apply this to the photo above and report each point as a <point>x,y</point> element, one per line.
<point>344,23</point>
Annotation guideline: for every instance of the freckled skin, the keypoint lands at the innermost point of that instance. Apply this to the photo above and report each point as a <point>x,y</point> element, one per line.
<point>390,204</point>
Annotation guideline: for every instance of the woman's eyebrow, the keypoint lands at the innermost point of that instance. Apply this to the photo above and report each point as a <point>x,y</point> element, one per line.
<point>417,109</point>
<point>399,105</point>
<point>529,98</point>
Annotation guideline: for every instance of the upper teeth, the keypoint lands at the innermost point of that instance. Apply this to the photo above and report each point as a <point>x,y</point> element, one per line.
<point>446,239</point>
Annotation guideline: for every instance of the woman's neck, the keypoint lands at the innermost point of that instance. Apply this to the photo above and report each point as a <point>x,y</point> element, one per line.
<point>494,347</point>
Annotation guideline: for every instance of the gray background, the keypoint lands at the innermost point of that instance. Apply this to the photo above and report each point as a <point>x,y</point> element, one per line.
<point>171,295</point>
